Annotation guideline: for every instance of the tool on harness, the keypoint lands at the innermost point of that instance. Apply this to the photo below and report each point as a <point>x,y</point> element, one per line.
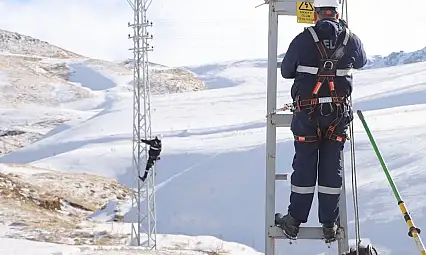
<point>325,72</point>
<point>285,107</point>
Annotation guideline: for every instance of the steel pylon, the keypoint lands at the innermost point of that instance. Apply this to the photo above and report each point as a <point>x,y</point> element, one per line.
<point>144,229</point>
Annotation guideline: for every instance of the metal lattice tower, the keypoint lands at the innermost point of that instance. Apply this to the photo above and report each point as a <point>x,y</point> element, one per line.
<point>145,225</point>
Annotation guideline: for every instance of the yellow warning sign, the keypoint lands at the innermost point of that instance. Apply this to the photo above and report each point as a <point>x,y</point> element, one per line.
<point>305,12</point>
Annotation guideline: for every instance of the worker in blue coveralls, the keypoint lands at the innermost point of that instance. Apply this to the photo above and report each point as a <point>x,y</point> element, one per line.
<point>320,60</point>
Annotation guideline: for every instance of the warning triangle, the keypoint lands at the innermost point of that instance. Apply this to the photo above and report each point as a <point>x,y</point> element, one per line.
<point>306,6</point>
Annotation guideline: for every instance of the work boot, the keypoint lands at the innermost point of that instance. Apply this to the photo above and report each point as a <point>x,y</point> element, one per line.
<point>288,224</point>
<point>329,231</point>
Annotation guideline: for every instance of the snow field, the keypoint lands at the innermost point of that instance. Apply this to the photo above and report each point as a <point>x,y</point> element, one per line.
<point>210,177</point>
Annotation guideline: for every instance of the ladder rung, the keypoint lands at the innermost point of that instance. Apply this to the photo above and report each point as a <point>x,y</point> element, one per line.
<point>282,120</point>
<point>304,233</point>
<point>281,177</point>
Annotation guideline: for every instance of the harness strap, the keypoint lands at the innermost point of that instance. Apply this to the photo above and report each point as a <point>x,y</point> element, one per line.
<point>320,100</point>
<point>309,139</point>
<point>330,131</point>
<point>306,139</point>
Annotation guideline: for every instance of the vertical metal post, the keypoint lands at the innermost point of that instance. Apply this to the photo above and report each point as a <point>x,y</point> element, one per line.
<point>146,220</point>
<point>343,244</point>
<point>271,128</point>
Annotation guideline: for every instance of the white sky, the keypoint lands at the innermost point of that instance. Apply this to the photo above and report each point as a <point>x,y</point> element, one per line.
<point>190,32</point>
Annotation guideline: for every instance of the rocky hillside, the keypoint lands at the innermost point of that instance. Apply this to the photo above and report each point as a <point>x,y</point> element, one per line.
<point>396,58</point>
<point>170,80</point>
<point>15,43</point>
<point>26,56</point>
<point>44,205</point>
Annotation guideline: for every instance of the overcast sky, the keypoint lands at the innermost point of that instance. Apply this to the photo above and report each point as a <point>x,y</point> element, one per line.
<point>190,32</point>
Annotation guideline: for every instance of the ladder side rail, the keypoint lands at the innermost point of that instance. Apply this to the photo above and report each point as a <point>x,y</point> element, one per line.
<point>271,131</point>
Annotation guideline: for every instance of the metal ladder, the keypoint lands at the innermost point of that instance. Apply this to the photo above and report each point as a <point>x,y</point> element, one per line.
<point>288,8</point>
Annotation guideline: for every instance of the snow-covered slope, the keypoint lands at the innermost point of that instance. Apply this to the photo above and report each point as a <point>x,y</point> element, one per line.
<point>210,179</point>
<point>167,245</point>
<point>219,75</point>
<point>59,83</point>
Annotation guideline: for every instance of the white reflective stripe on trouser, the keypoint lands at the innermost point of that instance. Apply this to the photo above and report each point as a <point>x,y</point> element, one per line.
<point>314,70</point>
<point>329,190</point>
<point>302,190</point>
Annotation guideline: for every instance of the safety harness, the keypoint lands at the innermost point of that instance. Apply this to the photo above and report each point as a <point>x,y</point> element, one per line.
<point>326,71</point>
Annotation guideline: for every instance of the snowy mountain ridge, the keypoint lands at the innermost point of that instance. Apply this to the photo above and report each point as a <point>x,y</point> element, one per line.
<point>393,59</point>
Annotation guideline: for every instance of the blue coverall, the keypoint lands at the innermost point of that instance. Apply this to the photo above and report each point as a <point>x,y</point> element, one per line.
<point>323,155</point>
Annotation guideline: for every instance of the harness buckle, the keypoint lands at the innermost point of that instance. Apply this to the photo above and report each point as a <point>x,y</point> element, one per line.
<point>328,64</point>
<point>328,68</point>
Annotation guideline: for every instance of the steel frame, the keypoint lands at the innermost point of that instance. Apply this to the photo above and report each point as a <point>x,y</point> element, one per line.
<point>145,191</point>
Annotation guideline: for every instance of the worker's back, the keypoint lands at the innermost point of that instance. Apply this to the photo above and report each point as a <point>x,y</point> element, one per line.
<point>304,51</point>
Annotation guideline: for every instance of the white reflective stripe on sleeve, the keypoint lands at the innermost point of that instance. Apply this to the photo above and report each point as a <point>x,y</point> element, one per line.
<point>314,70</point>
<point>343,72</point>
<point>329,190</point>
<point>302,190</point>
<point>307,69</point>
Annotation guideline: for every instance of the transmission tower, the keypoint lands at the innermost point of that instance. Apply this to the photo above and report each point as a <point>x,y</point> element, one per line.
<point>145,225</point>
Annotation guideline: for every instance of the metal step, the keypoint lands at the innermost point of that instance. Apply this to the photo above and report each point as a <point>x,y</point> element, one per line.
<point>282,120</point>
<point>304,233</point>
<point>281,177</point>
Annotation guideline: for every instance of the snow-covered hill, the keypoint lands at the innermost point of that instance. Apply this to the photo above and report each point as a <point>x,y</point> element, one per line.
<point>12,42</point>
<point>36,74</point>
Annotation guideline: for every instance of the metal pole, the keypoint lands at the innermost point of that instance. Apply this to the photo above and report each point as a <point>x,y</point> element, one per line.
<point>343,244</point>
<point>271,132</point>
